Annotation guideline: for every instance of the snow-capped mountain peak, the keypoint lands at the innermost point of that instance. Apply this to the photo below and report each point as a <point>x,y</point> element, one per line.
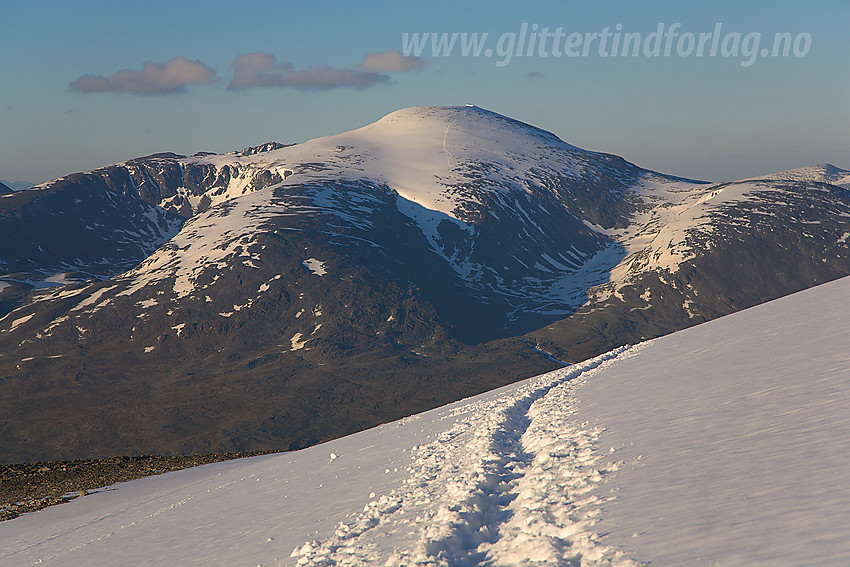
<point>466,177</point>
<point>425,154</point>
<point>821,173</point>
<point>447,246</point>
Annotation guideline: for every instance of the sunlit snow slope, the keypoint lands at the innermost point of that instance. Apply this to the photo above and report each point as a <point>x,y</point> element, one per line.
<point>724,444</point>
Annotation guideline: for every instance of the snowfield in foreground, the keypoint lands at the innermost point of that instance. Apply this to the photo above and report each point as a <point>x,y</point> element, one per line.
<point>724,444</point>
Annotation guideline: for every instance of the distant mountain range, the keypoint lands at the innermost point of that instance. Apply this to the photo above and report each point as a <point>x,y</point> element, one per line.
<point>279,296</point>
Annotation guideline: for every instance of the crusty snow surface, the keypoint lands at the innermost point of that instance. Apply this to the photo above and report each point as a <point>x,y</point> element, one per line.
<point>724,444</point>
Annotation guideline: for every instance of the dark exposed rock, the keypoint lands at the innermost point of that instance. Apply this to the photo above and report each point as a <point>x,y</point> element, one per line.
<point>267,147</point>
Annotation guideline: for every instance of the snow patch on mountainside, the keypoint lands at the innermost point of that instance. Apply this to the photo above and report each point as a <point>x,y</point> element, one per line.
<point>230,176</point>
<point>19,321</point>
<point>92,299</point>
<point>661,237</point>
<point>823,173</point>
<point>297,343</point>
<point>208,241</point>
<point>567,291</point>
<point>317,267</point>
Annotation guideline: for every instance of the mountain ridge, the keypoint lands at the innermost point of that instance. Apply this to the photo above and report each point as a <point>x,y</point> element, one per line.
<point>315,289</point>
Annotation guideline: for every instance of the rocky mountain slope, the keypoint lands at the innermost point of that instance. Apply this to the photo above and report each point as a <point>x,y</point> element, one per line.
<point>297,293</point>
<point>738,245</point>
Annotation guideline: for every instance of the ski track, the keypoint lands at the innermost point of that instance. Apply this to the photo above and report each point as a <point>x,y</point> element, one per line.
<point>509,484</point>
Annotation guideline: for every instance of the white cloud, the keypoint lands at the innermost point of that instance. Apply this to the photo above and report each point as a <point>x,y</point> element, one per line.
<point>261,70</point>
<point>153,78</point>
<point>391,62</point>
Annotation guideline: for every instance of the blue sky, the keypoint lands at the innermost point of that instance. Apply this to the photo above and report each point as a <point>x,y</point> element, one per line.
<point>65,105</point>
